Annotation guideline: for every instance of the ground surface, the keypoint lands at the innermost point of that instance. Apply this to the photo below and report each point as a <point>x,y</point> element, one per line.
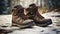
<point>55,16</point>
<point>36,30</point>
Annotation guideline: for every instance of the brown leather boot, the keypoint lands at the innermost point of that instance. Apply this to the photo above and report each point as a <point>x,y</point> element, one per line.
<point>44,23</point>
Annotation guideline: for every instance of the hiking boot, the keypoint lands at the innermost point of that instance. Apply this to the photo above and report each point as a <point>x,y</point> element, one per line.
<point>44,23</point>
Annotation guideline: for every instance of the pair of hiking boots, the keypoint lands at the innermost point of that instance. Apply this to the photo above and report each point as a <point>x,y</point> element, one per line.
<point>32,18</point>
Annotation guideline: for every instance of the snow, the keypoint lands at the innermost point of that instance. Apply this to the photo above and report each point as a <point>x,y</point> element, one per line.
<point>7,20</point>
<point>36,30</point>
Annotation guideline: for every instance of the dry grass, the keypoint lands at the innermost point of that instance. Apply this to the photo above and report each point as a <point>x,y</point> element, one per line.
<point>43,10</point>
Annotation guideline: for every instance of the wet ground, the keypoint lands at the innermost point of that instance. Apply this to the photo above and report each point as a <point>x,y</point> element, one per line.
<point>52,29</point>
